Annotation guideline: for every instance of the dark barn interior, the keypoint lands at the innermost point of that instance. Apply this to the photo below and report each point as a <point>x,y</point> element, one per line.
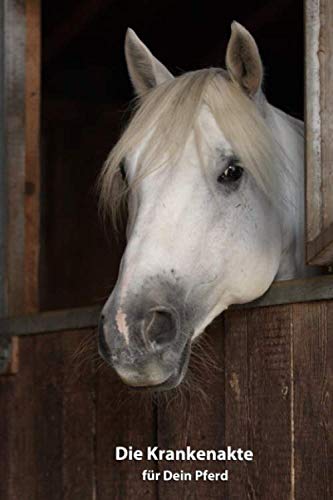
<point>86,90</point>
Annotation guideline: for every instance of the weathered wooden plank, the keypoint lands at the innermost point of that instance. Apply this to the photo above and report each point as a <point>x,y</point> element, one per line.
<point>48,449</point>
<point>196,418</point>
<point>236,399</point>
<point>270,392</point>
<point>64,416</point>
<point>312,119</point>
<point>3,177</point>
<point>282,292</point>
<point>22,450</point>
<point>312,409</point>
<point>14,164</point>
<point>6,393</point>
<point>320,250</point>
<point>48,420</point>
<point>122,418</point>
<point>319,126</point>
<point>32,154</point>
<point>326,109</point>
<point>79,352</point>
<point>258,397</point>
<point>51,321</point>
<point>17,451</point>
<point>19,224</point>
<point>46,424</point>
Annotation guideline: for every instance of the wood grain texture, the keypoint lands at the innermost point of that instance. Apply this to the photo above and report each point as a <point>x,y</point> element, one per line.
<point>48,418</point>
<point>78,415</point>
<point>46,423</point>
<point>326,106</point>
<point>60,420</point>
<point>258,400</point>
<point>6,392</point>
<point>17,451</point>
<point>312,119</point>
<point>64,419</point>
<point>319,127</point>
<point>3,174</point>
<point>313,387</point>
<point>14,164</point>
<point>51,321</point>
<point>196,418</point>
<point>123,418</point>
<point>20,158</point>
<point>236,400</point>
<point>320,250</point>
<point>32,154</point>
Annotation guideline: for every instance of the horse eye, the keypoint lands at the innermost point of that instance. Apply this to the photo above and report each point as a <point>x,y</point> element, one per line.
<point>231,174</point>
<point>122,171</point>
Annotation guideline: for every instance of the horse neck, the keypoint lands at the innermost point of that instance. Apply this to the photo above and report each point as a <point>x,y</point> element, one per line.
<point>289,133</point>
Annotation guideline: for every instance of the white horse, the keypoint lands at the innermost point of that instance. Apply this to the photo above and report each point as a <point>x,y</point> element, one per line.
<point>213,178</point>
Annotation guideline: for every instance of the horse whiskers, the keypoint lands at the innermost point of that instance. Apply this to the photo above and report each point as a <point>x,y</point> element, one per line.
<point>86,360</point>
<point>205,364</point>
<point>87,343</point>
<point>204,343</point>
<point>205,361</point>
<point>100,365</point>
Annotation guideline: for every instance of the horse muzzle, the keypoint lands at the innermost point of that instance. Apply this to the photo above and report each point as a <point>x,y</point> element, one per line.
<point>150,352</point>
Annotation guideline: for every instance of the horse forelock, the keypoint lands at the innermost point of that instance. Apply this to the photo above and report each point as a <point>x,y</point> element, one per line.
<point>168,114</point>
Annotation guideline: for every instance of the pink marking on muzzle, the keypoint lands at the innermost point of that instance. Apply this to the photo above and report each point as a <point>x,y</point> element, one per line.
<point>122,324</point>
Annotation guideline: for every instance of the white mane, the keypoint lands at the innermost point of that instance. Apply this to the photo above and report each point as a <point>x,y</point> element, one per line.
<point>169,112</point>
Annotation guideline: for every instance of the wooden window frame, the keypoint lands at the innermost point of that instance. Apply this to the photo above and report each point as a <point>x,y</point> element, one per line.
<point>19,153</point>
<point>319,131</point>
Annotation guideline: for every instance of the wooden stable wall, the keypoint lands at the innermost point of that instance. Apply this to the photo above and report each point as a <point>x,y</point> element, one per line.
<point>61,416</point>
<point>272,392</point>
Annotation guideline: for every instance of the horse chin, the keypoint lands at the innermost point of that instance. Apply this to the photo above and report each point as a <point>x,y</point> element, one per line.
<point>175,378</point>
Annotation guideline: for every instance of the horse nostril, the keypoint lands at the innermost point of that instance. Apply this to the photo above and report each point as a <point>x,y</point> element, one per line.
<point>159,326</point>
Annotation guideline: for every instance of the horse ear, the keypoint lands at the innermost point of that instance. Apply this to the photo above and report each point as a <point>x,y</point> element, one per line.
<point>144,69</point>
<point>243,60</point>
